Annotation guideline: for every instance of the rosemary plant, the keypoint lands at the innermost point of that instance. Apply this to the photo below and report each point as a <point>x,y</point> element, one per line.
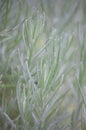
<point>42,65</point>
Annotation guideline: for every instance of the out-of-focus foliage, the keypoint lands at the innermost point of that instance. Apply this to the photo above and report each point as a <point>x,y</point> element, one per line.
<point>42,65</point>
